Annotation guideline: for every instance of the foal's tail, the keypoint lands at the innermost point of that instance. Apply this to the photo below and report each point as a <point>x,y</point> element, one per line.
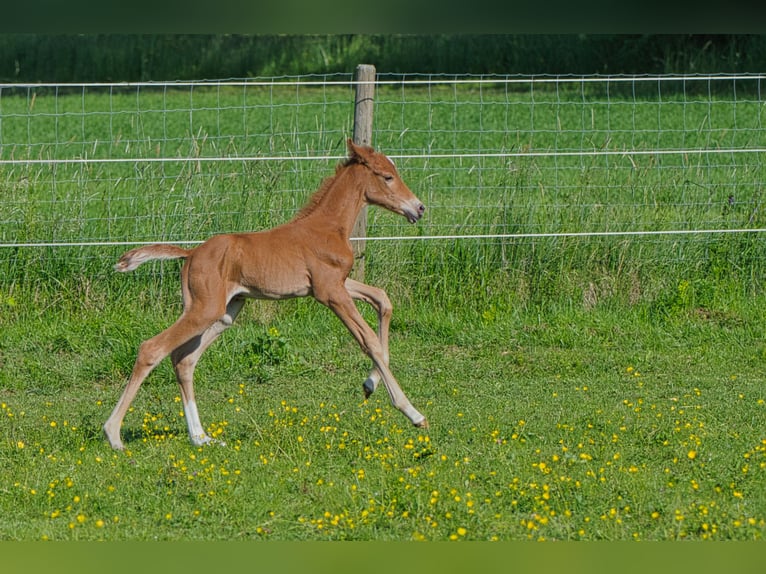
<point>135,257</point>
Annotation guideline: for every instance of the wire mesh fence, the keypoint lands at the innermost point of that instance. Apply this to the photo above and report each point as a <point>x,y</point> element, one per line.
<point>669,165</point>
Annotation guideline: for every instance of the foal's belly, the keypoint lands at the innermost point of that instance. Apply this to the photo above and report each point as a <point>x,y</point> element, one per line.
<point>283,292</point>
<point>275,282</point>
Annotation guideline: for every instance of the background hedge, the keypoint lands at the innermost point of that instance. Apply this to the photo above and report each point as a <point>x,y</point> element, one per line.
<point>117,57</point>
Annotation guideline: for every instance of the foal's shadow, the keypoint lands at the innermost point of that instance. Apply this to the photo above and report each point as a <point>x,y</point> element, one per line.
<point>131,435</point>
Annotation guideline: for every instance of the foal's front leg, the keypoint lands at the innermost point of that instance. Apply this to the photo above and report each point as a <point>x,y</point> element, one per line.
<point>379,301</point>
<point>341,303</point>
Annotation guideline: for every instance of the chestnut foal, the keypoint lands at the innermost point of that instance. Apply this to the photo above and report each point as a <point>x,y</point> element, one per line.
<point>309,255</point>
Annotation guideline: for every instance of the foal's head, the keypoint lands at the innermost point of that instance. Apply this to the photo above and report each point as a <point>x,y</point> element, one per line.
<point>385,188</point>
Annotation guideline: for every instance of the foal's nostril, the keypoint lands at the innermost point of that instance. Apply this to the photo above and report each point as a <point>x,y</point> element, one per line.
<point>421,209</point>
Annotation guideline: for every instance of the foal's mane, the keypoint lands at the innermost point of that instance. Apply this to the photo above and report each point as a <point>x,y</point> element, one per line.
<point>326,184</point>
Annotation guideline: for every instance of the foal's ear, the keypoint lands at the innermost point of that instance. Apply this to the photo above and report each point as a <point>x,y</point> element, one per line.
<point>361,153</point>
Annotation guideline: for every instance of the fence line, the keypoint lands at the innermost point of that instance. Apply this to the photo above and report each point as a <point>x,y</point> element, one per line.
<point>109,164</point>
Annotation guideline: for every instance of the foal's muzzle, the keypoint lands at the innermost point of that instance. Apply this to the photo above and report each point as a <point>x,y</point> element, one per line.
<point>415,213</point>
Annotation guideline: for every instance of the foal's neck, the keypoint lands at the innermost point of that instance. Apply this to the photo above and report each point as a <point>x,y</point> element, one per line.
<point>338,201</point>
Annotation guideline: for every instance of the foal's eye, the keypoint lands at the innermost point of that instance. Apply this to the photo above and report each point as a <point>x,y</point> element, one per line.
<point>388,178</point>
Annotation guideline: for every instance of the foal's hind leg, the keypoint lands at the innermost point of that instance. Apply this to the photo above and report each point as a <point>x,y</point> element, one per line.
<point>185,360</point>
<point>191,324</point>
<point>379,301</point>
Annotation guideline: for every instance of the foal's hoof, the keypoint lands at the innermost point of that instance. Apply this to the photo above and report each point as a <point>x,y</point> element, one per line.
<point>205,440</point>
<point>114,440</point>
<point>368,387</point>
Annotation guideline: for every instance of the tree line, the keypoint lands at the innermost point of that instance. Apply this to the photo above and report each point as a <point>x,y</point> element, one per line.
<point>146,57</point>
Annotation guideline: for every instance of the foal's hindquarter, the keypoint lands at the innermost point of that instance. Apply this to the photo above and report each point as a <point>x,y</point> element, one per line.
<point>310,255</point>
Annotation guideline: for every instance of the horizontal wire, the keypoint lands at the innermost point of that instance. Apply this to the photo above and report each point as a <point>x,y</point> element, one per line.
<point>494,155</point>
<point>581,234</point>
<point>419,79</point>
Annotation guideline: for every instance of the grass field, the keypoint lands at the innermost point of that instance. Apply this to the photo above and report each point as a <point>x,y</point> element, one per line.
<point>578,388</point>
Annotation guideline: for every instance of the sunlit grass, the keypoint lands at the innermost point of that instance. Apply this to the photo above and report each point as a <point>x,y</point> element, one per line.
<point>530,439</point>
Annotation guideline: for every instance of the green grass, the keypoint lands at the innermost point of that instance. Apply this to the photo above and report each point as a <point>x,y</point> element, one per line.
<point>568,424</point>
<point>578,388</point>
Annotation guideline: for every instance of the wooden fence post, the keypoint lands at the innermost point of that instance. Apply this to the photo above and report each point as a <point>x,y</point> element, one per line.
<point>363,107</point>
